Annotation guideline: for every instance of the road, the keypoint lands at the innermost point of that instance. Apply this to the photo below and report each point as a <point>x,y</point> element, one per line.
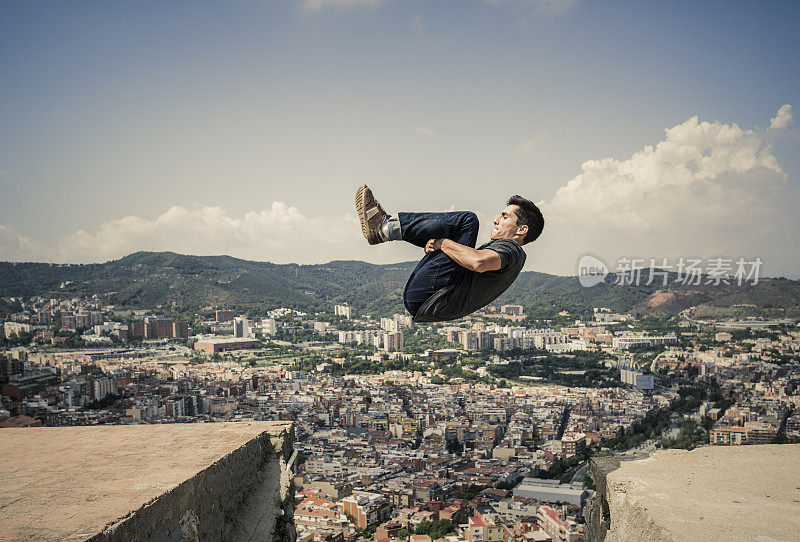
<point>580,474</point>
<point>649,446</point>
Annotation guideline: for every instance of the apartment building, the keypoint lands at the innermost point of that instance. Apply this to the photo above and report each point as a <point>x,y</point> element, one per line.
<point>366,508</point>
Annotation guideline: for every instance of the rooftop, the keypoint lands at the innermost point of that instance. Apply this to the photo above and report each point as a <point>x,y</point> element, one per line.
<point>130,482</point>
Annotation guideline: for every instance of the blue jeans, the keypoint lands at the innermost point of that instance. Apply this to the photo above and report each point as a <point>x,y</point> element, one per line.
<point>435,271</point>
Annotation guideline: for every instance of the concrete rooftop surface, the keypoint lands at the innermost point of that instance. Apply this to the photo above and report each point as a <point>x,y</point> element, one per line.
<point>710,493</point>
<point>76,483</point>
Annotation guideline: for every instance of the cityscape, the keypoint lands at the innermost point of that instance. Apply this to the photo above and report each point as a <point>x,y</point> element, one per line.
<point>478,429</point>
<point>399,271</point>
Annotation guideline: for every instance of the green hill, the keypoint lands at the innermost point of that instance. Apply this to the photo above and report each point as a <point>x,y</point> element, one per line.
<point>189,283</point>
<point>148,279</point>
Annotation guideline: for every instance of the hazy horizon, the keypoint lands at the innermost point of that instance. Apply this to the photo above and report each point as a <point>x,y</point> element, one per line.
<point>398,262</point>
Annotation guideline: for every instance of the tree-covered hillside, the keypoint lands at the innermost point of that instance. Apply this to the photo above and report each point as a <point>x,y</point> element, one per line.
<point>190,283</point>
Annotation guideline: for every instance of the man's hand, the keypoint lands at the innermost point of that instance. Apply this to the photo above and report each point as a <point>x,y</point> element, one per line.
<point>433,245</point>
<point>479,261</point>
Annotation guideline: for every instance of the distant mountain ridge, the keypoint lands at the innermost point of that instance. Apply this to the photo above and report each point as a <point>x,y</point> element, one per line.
<point>189,283</point>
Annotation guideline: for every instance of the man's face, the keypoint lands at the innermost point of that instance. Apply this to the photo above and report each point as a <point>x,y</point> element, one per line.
<point>505,225</point>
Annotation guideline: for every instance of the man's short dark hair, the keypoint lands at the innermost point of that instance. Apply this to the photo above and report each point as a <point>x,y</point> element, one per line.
<point>528,214</point>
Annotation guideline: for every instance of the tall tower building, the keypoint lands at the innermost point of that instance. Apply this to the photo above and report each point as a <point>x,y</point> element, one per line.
<point>242,328</point>
<point>393,342</point>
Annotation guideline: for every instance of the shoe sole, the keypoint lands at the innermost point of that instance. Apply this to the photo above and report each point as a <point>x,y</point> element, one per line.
<point>362,211</point>
<point>361,208</point>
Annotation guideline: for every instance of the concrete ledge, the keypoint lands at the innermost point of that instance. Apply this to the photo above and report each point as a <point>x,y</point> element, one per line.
<point>182,482</point>
<point>710,493</point>
<point>596,511</point>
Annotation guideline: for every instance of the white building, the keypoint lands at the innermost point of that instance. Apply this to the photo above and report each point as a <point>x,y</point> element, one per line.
<point>563,529</point>
<point>100,387</point>
<point>390,324</point>
<point>15,328</point>
<point>321,327</point>
<point>367,337</point>
<point>603,315</point>
<point>633,340</point>
<point>343,310</point>
<point>503,344</point>
<point>551,491</point>
<point>474,340</point>
<point>637,379</point>
<point>175,408</point>
<point>542,338</point>
<point>403,320</point>
<point>242,328</point>
<point>393,342</point>
<point>269,327</point>
<point>571,346</point>
<point>723,337</point>
<point>515,310</point>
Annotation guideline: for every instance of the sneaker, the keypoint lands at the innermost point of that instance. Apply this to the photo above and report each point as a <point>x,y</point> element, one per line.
<point>371,215</point>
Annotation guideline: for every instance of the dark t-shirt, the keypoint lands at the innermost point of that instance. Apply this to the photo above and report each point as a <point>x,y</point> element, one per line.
<point>475,290</point>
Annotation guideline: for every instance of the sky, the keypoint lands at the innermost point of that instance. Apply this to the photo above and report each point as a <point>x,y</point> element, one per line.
<point>642,129</point>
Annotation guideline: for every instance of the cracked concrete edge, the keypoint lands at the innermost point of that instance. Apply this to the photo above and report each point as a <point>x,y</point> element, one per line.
<point>205,507</point>
<point>631,521</point>
<point>598,518</point>
<point>257,517</point>
<point>283,526</point>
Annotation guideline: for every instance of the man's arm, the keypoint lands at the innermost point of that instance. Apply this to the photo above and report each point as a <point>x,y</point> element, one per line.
<point>467,257</point>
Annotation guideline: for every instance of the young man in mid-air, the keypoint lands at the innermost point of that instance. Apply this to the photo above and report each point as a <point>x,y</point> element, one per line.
<point>454,278</point>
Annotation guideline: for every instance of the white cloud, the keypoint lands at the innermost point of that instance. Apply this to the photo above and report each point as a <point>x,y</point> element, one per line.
<point>17,247</point>
<point>280,234</point>
<point>426,130</point>
<point>708,189</point>
<point>782,119</point>
<point>316,5</point>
